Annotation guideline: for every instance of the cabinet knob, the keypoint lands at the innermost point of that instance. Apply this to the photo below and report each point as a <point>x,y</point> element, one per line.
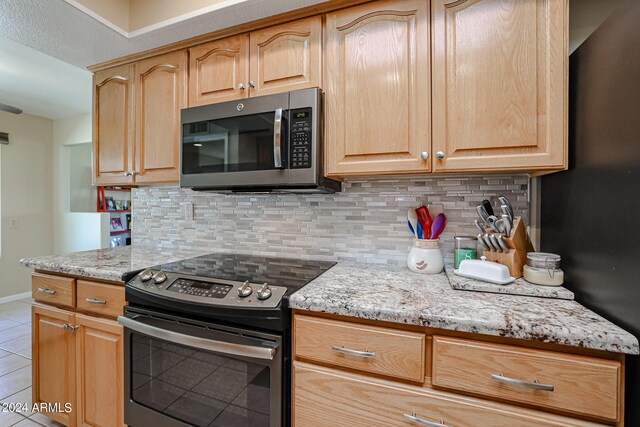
<point>251,84</point>
<point>424,155</point>
<point>135,173</point>
<point>240,86</point>
<point>440,155</point>
<point>128,173</point>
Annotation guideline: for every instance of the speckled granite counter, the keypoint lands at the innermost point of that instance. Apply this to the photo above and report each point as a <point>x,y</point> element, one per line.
<point>107,264</point>
<point>400,296</point>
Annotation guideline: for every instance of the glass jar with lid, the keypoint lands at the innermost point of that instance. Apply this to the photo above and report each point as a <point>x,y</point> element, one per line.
<point>465,248</point>
<point>543,269</point>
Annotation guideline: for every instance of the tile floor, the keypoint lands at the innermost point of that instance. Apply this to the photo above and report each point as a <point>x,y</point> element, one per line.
<point>15,365</point>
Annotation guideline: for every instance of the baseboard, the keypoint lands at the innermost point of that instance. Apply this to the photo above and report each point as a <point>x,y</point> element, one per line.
<point>15,297</point>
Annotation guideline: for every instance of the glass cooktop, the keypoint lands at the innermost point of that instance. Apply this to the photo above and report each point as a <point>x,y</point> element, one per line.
<point>292,273</point>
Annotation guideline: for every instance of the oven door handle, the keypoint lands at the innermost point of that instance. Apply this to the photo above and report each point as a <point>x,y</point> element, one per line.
<point>277,139</point>
<point>263,353</point>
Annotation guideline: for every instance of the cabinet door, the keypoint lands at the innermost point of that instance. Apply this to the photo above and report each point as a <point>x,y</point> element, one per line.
<point>500,84</point>
<point>286,57</point>
<point>113,127</point>
<point>219,71</point>
<point>99,370</point>
<point>160,94</point>
<point>53,364</point>
<point>377,86</point>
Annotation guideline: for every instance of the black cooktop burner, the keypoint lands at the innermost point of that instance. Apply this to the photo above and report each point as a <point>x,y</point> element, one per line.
<point>292,273</point>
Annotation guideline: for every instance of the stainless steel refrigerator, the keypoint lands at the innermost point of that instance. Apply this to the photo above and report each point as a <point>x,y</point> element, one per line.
<point>590,214</point>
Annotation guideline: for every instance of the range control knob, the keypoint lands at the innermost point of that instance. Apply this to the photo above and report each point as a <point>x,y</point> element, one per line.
<point>146,275</point>
<point>159,277</point>
<point>244,290</point>
<point>264,292</point>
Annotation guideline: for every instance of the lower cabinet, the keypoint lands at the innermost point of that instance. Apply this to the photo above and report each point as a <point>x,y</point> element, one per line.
<point>78,359</point>
<point>327,397</point>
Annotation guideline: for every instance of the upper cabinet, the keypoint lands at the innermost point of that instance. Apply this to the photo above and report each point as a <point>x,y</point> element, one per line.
<point>286,57</point>
<point>499,85</point>
<point>161,84</point>
<point>113,128</point>
<point>272,60</point>
<point>377,89</point>
<point>219,71</point>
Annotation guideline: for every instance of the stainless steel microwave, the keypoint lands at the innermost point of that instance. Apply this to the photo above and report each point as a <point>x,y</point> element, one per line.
<point>270,143</point>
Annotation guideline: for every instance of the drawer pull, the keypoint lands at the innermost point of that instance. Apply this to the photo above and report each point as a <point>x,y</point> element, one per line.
<point>354,352</point>
<point>46,291</point>
<point>535,385</point>
<point>95,301</point>
<point>422,422</point>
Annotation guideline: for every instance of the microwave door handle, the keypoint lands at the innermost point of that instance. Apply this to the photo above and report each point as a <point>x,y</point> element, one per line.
<point>277,139</point>
<point>254,352</point>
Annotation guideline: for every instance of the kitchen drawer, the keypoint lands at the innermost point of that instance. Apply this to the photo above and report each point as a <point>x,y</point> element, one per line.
<point>581,384</point>
<point>100,298</point>
<point>326,397</point>
<point>384,351</point>
<point>56,290</point>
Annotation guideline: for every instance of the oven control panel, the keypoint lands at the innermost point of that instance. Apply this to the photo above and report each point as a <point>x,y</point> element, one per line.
<point>300,146</point>
<point>204,290</point>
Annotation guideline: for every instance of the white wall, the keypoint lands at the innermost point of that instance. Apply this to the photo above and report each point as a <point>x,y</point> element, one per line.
<point>25,197</point>
<point>82,194</point>
<point>585,16</point>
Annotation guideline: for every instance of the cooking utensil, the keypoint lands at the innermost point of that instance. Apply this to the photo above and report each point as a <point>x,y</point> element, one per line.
<point>507,225</point>
<point>506,211</point>
<point>503,244</point>
<point>487,207</point>
<point>494,242</point>
<point>412,219</point>
<point>482,213</point>
<point>439,223</point>
<point>419,231</point>
<point>425,220</point>
<point>491,221</point>
<point>506,201</point>
<point>487,240</point>
<point>483,243</point>
<point>479,226</point>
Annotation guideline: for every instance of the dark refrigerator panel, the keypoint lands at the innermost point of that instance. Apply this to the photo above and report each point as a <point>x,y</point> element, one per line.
<point>590,214</point>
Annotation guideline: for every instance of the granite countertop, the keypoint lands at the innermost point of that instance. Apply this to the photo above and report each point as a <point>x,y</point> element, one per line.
<point>395,294</point>
<point>107,264</point>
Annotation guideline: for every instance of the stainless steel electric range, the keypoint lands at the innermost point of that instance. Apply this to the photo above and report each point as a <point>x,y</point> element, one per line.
<point>207,341</point>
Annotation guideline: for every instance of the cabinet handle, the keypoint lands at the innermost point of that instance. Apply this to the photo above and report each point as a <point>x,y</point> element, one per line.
<point>277,139</point>
<point>440,155</point>
<point>424,155</point>
<point>358,353</point>
<point>422,422</point>
<point>535,385</point>
<point>46,291</point>
<point>135,173</point>
<point>128,173</point>
<point>95,301</point>
<point>73,328</point>
<point>65,326</point>
<point>240,86</point>
<point>251,85</point>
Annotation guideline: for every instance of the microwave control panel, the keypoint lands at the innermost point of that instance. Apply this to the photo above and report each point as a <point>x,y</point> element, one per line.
<point>300,146</point>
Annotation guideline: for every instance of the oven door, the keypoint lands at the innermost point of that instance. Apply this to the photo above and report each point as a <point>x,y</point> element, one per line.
<point>237,143</point>
<point>181,373</point>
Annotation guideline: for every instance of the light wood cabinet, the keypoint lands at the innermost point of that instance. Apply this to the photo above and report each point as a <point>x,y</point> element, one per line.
<point>161,91</point>
<point>499,84</point>
<point>113,126</point>
<point>54,290</point>
<point>379,379</point>
<point>99,372</point>
<point>377,85</point>
<point>53,361</point>
<point>79,358</point>
<point>286,57</point>
<point>327,397</point>
<point>219,71</point>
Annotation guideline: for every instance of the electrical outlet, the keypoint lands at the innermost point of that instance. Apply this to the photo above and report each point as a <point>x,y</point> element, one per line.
<point>13,223</point>
<point>188,211</point>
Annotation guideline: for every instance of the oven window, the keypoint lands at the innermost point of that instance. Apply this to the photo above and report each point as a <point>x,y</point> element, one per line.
<point>233,144</point>
<point>199,387</point>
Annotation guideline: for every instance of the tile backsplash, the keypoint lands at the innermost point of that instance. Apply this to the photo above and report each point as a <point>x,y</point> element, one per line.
<point>366,222</point>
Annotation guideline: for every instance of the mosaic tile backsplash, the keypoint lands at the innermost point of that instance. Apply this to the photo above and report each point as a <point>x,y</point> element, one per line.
<point>366,222</point>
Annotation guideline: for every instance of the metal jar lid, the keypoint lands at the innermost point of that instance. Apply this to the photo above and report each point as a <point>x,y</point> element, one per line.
<point>547,261</point>
<point>465,238</point>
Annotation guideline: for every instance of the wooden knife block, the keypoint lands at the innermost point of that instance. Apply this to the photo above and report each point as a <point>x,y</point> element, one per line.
<point>519,245</point>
